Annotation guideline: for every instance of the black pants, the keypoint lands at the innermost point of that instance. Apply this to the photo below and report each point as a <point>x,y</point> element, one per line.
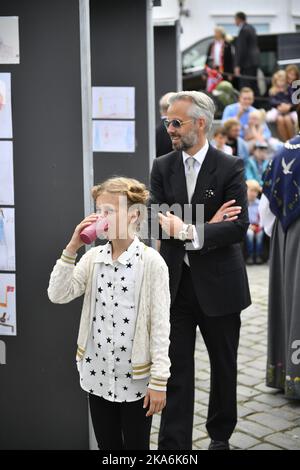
<point>120,426</point>
<point>221,336</point>
<point>249,82</point>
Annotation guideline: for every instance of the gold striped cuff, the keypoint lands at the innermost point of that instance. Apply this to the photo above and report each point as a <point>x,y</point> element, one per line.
<point>67,258</point>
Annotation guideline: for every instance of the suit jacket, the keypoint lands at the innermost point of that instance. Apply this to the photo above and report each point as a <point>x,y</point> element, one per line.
<point>227,57</point>
<point>246,48</point>
<point>218,268</point>
<point>163,141</point>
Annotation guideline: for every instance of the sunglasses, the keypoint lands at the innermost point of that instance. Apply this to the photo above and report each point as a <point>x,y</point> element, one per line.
<point>175,123</point>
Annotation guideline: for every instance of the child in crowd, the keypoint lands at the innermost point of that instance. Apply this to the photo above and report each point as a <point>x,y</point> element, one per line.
<point>258,131</point>
<point>123,340</point>
<point>257,163</point>
<point>281,112</point>
<point>255,233</point>
<point>220,139</point>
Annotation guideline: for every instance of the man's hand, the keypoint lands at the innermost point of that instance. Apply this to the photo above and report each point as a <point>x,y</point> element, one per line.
<point>231,212</point>
<point>171,224</point>
<point>157,401</point>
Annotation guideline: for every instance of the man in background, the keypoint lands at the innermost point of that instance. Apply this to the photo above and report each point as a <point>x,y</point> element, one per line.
<point>163,141</point>
<point>246,53</point>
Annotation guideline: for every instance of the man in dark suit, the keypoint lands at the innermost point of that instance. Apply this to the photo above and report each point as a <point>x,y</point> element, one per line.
<point>163,141</point>
<point>208,279</point>
<point>246,53</point>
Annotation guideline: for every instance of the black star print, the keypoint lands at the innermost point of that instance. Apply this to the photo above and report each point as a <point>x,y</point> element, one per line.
<point>123,348</point>
<point>99,345</point>
<point>115,397</point>
<point>96,300</point>
<point>122,334</point>
<point>96,354</point>
<point>125,388</point>
<point>92,372</point>
<point>116,269</point>
<point>117,359</point>
<point>137,254</point>
<point>113,352</point>
<point>103,359</point>
<point>109,284</point>
<point>110,394</point>
<point>103,303</point>
<point>94,318</point>
<point>116,304</point>
<point>128,375</point>
<point>138,394</point>
<point>128,265</point>
<point>99,331</point>
<point>103,372</point>
<point>116,378</point>
<point>100,290</point>
<point>102,317</point>
<point>88,359</point>
<point>101,384</point>
<point>108,340</point>
<point>114,325</point>
<point>129,360</point>
<point>124,289</point>
<point>91,391</point>
<point>123,278</point>
<point>125,320</point>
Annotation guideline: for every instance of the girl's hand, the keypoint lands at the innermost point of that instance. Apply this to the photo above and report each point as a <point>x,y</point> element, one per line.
<point>157,401</point>
<point>75,243</point>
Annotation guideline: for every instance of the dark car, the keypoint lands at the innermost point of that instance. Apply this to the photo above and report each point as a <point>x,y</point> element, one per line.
<point>276,51</point>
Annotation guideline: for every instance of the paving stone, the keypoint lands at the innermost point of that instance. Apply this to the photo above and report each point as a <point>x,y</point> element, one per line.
<point>284,440</point>
<point>243,441</point>
<point>271,421</point>
<point>265,446</point>
<point>254,429</point>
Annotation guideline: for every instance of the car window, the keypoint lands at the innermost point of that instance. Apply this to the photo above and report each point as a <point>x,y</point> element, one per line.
<point>196,55</point>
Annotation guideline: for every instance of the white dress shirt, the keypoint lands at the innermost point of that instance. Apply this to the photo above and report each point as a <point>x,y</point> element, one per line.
<point>106,369</point>
<point>217,53</point>
<point>267,218</point>
<point>199,159</point>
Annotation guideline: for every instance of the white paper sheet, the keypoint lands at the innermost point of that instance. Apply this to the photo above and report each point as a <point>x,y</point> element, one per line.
<point>113,102</point>
<point>6,174</point>
<point>8,304</point>
<point>5,107</point>
<point>7,239</point>
<point>114,136</point>
<point>9,40</point>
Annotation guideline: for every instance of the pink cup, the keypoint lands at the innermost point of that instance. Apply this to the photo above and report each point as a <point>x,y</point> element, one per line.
<point>90,233</point>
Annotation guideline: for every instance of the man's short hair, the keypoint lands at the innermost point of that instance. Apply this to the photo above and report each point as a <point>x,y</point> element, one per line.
<point>241,15</point>
<point>230,123</point>
<point>246,89</point>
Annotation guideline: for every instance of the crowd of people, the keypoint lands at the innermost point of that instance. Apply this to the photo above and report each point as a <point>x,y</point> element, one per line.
<point>255,135</point>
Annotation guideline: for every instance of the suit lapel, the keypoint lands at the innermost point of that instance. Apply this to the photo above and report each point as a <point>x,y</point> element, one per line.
<point>178,180</point>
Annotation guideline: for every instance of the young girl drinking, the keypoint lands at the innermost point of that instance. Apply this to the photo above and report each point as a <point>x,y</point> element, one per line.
<point>123,339</point>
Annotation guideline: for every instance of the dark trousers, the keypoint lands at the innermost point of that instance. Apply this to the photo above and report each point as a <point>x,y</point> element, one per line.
<point>120,426</point>
<point>249,82</point>
<point>221,336</point>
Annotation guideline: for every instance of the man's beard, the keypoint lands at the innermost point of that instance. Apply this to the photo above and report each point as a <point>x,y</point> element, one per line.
<point>186,142</point>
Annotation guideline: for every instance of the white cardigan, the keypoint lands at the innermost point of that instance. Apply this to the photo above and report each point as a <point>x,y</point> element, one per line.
<point>152,298</point>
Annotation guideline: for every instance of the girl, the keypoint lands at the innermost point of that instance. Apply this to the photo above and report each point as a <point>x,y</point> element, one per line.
<point>123,339</point>
<point>280,101</point>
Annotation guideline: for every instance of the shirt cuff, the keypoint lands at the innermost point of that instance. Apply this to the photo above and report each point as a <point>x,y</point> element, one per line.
<point>68,258</point>
<point>195,240</point>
